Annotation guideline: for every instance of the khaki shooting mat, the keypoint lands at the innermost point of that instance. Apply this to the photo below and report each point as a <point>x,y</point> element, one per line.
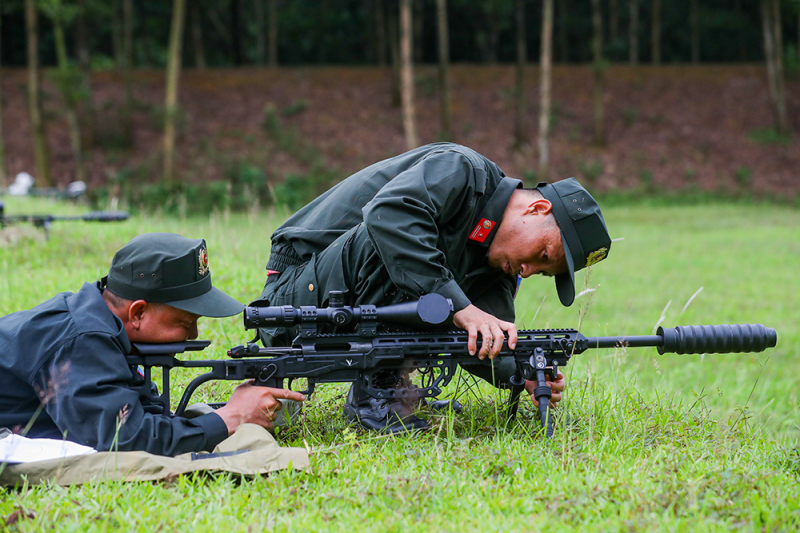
<point>250,450</point>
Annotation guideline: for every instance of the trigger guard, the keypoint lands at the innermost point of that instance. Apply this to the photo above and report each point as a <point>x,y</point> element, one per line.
<point>307,392</point>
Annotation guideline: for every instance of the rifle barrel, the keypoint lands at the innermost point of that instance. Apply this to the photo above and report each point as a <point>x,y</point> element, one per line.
<point>637,341</point>
<point>723,338</point>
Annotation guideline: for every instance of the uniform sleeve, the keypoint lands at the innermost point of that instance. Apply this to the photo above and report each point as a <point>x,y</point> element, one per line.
<point>85,393</point>
<point>497,298</point>
<point>404,218</point>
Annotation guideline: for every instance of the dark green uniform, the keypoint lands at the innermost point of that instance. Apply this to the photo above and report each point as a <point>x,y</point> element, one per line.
<point>418,223</point>
<point>68,354</point>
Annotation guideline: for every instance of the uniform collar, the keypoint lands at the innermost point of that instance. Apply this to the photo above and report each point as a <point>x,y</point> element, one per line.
<point>485,225</point>
<point>122,335</point>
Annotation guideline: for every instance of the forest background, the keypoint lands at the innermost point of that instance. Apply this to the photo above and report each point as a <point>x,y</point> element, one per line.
<point>201,105</point>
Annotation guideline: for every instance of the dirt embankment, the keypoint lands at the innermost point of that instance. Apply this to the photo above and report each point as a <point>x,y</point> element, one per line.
<point>671,127</point>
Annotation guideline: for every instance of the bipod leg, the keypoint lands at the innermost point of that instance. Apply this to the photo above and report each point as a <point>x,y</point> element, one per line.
<point>542,393</point>
<point>513,401</point>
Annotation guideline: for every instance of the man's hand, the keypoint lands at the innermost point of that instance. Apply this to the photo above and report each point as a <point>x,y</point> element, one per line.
<point>255,405</point>
<point>556,386</point>
<point>491,328</point>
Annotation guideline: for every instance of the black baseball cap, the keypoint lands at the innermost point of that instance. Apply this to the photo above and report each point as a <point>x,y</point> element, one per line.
<point>170,269</point>
<point>583,231</point>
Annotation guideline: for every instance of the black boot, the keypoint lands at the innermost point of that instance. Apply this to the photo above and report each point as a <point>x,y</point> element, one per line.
<point>387,415</point>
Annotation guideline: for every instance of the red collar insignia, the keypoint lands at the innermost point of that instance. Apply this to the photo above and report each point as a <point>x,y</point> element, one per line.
<point>482,230</point>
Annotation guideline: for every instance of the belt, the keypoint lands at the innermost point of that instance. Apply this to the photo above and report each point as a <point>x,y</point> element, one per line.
<point>282,257</point>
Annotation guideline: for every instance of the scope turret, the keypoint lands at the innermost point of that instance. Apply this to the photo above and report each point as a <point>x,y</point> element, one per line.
<point>431,310</point>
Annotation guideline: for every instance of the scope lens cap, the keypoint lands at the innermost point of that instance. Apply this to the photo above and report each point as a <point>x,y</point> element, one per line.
<point>434,309</point>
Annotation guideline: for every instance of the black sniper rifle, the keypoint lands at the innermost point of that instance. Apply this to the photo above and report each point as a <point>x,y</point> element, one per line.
<point>45,221</point>
<point>359,355</point>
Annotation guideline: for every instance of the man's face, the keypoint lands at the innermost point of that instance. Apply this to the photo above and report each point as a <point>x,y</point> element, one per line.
<point>162,323</point>
<point>528,242</point>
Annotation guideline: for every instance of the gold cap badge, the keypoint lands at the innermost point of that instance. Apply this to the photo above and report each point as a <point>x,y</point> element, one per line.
<point>203,261</point>
<point>596,256</point>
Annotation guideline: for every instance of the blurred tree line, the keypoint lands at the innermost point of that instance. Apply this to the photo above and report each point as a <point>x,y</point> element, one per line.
<point>74,37</point>
<point>223,33</point>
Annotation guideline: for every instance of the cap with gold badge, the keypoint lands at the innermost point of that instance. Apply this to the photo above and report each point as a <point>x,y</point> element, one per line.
<point>583,231</point>
<point>171,269</point>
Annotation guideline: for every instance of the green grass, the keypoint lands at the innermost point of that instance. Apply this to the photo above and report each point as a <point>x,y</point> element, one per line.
<point>644,442</point>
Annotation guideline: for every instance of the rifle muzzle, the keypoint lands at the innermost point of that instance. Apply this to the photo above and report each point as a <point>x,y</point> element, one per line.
<point>723,338</point>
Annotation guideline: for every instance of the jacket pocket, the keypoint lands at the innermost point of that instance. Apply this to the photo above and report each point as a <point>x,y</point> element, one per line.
<point>306,286</point>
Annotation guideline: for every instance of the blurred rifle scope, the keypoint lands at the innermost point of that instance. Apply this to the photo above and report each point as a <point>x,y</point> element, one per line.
<point>45,220</point>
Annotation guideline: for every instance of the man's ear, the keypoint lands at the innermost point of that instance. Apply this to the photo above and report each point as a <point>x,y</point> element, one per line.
<point>540,206</point>
<point>136,313</point>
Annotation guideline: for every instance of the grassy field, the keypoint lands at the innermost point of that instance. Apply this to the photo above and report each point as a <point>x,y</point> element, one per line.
<point>644,442</point>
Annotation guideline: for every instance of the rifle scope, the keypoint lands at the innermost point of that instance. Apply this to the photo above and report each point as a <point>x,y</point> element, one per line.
<point>724,338</point>
<point>431,310</point>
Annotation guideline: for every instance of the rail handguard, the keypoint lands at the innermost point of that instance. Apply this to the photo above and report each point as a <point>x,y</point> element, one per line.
<point>321,353</point>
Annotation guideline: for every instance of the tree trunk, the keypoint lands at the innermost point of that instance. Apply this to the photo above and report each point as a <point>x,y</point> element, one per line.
<point>613,20</point>
<point>82,38</point>
<point>68,92</point>
<point>769,46</point>
<point>563,41</point>
<point>237,31</point>
<point>694,22</point>
<point>116,30</point>
<point>739,37</point>
<point>783,121</point>
<point>127,69</point>
<point>39,134</point>
<point>633,33</point>
<point>655,35</point>
<point>407,75</point>
<point>261,42</point>
<point>492,34</point>
<point>197,34</point>
<point>173,72</point>
<point>773,52</point>
<point>86,117</point>
<point>520,135</point>
<point>380,33</point>
<point>3,166</point>
<point>444,68</point>
<point>394,45</point>
<point>273,32</point>
<point>599,72</point>
<point>545,83</point>
<point>418,30</point>
<point>214,14</point>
